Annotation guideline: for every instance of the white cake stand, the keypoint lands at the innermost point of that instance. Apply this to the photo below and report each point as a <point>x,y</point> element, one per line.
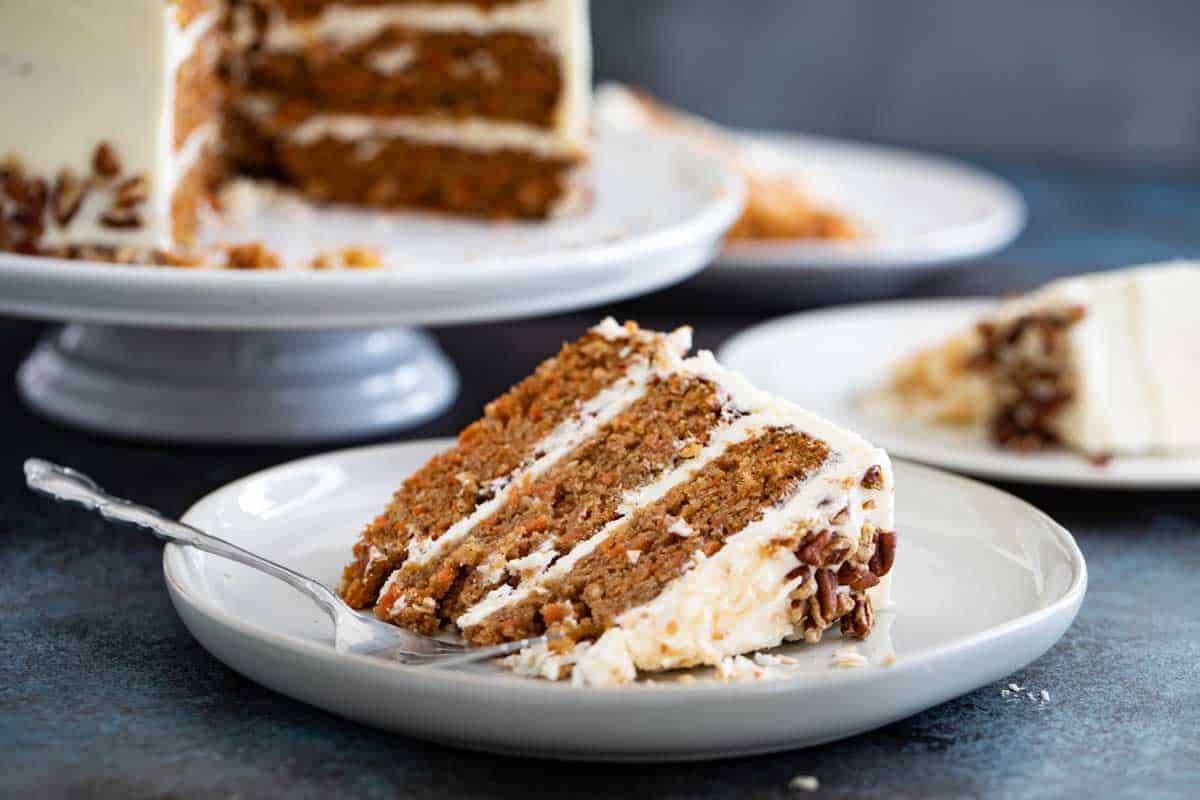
<point>215,356</point>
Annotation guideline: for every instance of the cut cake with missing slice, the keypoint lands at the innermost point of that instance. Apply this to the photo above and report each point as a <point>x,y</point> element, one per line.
<point>658,511</point>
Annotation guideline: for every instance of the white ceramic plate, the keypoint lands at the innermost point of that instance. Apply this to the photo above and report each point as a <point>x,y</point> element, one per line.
<point>833,361</point>
<point>923,213</point>
<point>984,585</point>
<point>660,210</point>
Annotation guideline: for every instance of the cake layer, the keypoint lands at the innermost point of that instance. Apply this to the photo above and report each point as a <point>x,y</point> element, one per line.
<point>397,171</point>
<point>502,76</point>
<point>494,452</point>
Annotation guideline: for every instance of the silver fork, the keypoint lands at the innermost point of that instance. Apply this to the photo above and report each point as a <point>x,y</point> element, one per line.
<point>354,631</point>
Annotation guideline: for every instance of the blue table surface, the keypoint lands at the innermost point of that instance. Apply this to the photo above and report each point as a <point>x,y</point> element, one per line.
<point>103,692</point>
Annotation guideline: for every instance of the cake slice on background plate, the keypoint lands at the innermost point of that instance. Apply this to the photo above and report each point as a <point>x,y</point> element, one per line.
<point>778,207</point>
<point>657,511</point>
<point>1106,364</point>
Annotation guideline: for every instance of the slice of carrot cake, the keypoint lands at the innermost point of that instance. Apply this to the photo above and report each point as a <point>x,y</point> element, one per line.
<point>656,510</point>
<point>1106,364</point>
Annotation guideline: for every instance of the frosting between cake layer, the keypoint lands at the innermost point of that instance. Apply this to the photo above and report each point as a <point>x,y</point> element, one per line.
<point>469,134</point>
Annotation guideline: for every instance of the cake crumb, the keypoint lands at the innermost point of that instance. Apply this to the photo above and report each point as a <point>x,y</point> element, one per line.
<point>766,660</point>
<point>253,256</point>
<point>849,658</point>
<point>804,783</point>
<point>349,258</point>
<point>738,668</point>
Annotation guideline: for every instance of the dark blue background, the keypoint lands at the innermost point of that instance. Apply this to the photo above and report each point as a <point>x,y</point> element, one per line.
<point>1098,81</point>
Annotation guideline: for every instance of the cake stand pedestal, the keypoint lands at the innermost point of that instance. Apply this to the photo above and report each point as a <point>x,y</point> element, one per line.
<point>238,387</point>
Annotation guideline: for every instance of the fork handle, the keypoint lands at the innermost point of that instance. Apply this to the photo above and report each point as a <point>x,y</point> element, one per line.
<point>70,486</point>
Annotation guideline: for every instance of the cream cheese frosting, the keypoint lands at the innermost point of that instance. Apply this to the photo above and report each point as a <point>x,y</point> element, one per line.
<point>106,71</point>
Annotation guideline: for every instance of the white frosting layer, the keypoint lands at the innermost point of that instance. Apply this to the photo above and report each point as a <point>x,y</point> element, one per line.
<point>1136,357</point>
<point>88,73</point>
<point>564,24</point>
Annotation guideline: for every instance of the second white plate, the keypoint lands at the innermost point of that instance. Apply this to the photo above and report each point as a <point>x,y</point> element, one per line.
<point>984,585</point>
<point>831,362</point>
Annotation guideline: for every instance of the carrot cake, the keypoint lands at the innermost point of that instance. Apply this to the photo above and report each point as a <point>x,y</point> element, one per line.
<point>131,114</point>
<point>1105,364</point>
<point>656,510</point>
<point>777,207</point>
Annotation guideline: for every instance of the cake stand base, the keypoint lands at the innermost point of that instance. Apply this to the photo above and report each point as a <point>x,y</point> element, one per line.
<point>238,387</point>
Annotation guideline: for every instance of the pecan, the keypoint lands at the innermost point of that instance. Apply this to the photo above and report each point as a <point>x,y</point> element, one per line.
<point>812,550</point>
<point>857,624</point>
<point>124,218</point>
<point>827,593</point>
<point>802,571</point>
<point>840,517</point>
<point>67,197</point>
<point>885,553</point>
<point>132,192</point>
<point>14,186</point>
<point>863,582</point>
<point>873,478</point>
<point>105,162</point>
<point>835,556</point>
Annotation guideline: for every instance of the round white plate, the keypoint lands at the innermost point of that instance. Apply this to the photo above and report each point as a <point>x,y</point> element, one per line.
<point>659,212</point>
<point>922,213</point>
<point>834,362</point>
<point>985,584</point>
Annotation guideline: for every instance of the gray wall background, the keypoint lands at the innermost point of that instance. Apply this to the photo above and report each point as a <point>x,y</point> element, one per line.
<point>1112,81</point>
